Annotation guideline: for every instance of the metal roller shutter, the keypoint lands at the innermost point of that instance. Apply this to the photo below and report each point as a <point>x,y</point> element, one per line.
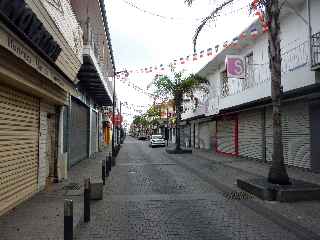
<point>19,140</point>
<point>94,132</point>
<point>251,134</point>
<point>79,132</point>
<point>226,136</point>
<point>204,136</point>
<point>296,134</point>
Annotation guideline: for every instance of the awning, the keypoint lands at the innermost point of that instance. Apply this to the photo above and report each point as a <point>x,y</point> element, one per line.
<point>92,83</point>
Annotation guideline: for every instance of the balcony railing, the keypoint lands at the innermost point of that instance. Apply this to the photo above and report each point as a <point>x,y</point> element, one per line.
<point>315,46</point>
<point>256,74</point>
<point>97,42</point>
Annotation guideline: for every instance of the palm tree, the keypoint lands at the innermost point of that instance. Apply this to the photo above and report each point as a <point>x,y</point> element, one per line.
<point>277,173</point>
<point>175,87</point>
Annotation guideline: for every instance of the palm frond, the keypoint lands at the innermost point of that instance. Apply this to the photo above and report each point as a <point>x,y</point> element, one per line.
<point>194,82</point>
<point>205,20</point>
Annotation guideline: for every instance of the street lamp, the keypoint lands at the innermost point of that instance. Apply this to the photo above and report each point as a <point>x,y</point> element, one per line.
<point>114,107</point>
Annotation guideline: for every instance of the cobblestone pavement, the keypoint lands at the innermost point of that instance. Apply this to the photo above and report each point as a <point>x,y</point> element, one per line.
<point>153,195</point>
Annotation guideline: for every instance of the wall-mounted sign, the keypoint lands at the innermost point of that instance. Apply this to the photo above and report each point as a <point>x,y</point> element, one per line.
<point>22,19</point>
<point>26,54</point>
<point>235,66</point>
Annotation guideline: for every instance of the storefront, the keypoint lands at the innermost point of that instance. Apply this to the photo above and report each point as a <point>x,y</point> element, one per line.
<point>33,92</point>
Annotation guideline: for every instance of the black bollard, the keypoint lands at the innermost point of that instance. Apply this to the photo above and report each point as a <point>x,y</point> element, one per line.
<point>107,166</point>
<point>113,159</point>
<point>109,161</point>
<point>86,200</point>
<point>68,219</point>
<point>104,172</point>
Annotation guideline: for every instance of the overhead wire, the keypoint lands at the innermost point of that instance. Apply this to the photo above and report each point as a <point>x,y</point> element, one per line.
<point>171,18</point>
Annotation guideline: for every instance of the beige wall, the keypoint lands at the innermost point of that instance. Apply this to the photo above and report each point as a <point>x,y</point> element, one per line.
<point>63,28</point>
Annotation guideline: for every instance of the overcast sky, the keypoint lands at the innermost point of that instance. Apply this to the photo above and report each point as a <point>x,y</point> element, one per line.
<point>140,39</point>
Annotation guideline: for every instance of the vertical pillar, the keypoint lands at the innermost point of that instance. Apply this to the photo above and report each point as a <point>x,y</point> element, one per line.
<point>68,219</point>
<point>86,200</point>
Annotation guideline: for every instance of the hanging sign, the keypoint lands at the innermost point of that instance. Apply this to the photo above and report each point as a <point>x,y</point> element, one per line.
<point>118,119</point>
<point>235,66</point>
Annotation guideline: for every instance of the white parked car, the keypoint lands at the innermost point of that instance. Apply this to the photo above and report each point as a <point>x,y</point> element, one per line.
<point>157,140</point>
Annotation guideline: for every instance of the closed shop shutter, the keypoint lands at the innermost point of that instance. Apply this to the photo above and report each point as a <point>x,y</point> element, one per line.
<point>94,133</point>
<point>296,134</point>
<point>79,132</point>
<point>226,138</point>
<point>204,136</point>
<point>196,135</point>
<point>251,134</point>
<point>185,136</point>
<point>19,140</point>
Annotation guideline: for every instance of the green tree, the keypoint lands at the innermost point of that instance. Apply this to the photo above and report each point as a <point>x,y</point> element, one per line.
<point>277,173</point>
<point>175,86</point>
<point>153,116</point>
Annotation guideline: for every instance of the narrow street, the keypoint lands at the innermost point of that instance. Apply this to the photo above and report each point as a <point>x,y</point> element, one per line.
<point>153,195</point>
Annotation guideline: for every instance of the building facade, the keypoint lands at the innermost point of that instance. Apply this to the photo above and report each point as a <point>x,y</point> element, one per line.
<point>42,56</point>
<point>235,118</point>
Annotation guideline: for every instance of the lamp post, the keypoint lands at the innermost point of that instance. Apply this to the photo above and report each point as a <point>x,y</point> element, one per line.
<point>167,132</point>
<point>114,108</point>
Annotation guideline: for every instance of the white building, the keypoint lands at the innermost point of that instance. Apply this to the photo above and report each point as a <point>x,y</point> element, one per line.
<point>235,118</point>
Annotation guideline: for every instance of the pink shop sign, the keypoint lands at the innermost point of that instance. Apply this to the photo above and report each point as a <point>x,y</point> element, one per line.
<point>235,66</point>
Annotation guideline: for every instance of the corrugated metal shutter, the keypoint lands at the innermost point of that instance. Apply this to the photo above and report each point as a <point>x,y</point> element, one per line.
<point>204,136</point>
<point>94,132</point>
<point>79,132</point>
<point>296,134</point>
<point>19,140</point>
<point>185,136</point>
<point>225,136</point>
<point>250,134</point>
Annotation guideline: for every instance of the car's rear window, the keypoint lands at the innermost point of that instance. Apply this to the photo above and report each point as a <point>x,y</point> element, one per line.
<point>156,136</point>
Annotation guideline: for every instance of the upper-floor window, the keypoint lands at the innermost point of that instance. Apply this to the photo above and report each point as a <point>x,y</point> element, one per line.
<point>249,71</point>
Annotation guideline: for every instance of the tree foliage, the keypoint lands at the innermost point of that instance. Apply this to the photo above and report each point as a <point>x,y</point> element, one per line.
<point>175,86</point>
<point>169,86</point>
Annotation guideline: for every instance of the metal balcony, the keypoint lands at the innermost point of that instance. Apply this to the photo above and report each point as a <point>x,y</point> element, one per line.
<point>315,51</point>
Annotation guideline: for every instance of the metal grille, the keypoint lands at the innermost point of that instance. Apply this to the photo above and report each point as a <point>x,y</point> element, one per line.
<point>238,195</point>
<point>315,39</point>
<point>258,73</point>
<point>79,132</point>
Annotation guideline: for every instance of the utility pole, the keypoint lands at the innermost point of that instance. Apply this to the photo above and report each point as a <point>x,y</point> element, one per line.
<point>113,114</point>
<point>120,125</point>
<point>167,133</point>
<point>114,108</point>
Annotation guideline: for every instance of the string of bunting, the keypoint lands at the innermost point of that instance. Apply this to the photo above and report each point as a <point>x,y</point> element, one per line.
<point>211,52</point>
<point>125,103</point>
<point>232,12</point>
<point>126,81</point>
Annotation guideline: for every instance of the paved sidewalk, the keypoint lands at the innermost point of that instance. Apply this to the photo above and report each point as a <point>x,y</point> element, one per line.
<point>41,217</point>
<point>226,170</point>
